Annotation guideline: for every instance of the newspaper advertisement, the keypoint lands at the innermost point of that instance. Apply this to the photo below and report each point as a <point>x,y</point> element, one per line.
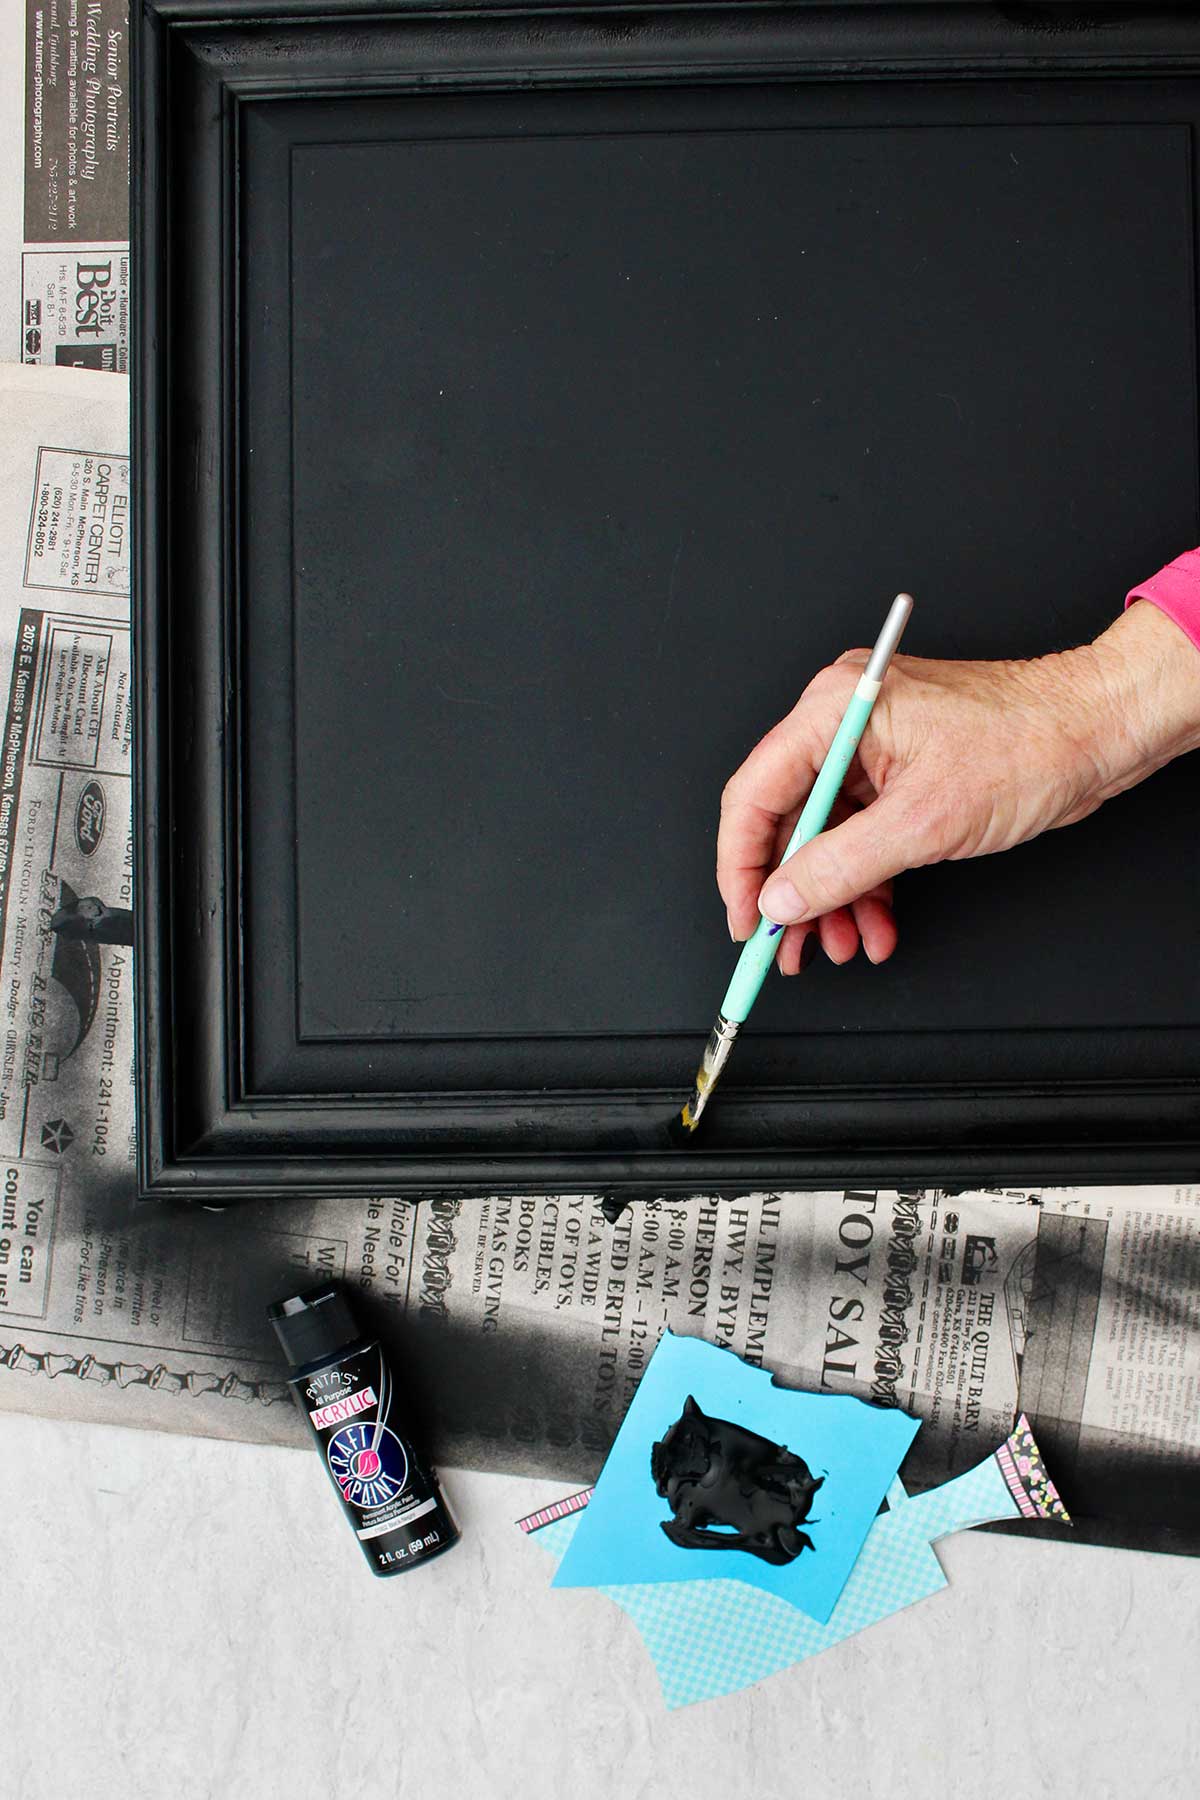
<point>66,1030</point>
<point>64,183</point>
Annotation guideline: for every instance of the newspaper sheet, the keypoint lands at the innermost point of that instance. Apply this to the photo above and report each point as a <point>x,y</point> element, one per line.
<point>526,1319</point>
<point>64,183</point>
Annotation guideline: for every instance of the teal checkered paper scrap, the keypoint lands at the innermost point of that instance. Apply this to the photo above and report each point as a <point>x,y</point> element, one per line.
<point>708,1638</point>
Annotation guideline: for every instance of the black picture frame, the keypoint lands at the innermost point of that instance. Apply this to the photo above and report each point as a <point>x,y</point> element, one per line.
<point>236,1096</point>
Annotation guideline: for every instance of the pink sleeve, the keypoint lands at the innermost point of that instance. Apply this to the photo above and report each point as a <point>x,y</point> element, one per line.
<point>1175,590</point>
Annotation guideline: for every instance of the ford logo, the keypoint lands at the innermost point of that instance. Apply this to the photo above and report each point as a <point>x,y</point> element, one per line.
<point>89,818</point>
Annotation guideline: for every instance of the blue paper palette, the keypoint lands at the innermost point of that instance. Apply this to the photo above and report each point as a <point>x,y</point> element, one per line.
<point>853,1449</point>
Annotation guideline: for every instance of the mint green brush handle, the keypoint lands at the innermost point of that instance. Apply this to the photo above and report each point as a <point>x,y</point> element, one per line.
<point>758,953</point>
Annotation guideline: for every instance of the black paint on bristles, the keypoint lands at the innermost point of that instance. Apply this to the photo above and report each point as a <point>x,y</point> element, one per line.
<point>679,1135</point>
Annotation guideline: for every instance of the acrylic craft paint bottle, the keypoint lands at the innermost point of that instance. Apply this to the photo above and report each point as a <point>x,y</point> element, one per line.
<point>342,1384</point>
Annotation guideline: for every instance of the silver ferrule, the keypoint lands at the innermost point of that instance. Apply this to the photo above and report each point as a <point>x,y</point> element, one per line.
<point>721,1040</point>
<point>887,643</point>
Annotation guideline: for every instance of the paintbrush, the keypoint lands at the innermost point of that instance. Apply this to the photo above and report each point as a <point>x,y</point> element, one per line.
<point>758,952</point>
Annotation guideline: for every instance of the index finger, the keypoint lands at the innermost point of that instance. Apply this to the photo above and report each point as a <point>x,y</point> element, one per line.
<point>771,785</point>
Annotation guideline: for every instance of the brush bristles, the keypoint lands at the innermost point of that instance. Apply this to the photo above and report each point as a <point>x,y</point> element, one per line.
<point>716,1055</point>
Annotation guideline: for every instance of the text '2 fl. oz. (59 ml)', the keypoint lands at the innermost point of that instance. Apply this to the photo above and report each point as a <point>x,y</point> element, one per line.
<point>343,1385</point>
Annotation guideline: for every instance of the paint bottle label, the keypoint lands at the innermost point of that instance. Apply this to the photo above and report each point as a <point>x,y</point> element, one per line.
<point>388,1491</point>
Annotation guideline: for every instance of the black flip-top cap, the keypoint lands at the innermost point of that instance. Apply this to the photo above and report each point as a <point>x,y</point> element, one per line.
<point>313,1324</point>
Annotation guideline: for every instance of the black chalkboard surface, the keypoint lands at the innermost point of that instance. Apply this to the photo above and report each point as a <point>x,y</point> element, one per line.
<point>527,412</point>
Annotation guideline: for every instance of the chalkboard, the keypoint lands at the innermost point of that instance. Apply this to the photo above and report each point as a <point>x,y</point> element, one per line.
<point>523,422</point>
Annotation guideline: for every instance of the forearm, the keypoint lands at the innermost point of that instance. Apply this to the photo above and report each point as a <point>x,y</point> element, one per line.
<point>1139,696</point>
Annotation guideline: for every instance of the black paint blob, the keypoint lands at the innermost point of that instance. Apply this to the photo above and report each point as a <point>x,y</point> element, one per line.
<point>730,1489</point>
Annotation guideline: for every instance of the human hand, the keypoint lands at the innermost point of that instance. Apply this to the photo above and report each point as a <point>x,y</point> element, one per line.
<point>958,759</point>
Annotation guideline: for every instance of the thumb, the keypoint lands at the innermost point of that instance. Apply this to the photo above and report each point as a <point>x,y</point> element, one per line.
<point>839,866</point>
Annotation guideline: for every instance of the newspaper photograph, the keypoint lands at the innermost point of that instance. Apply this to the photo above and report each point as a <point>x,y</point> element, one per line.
<point>64,182</point>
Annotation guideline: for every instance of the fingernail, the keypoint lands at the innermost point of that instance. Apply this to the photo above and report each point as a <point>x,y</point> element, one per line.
<point>780,902</point>
<point>808,950</point>
<point>733,934</point>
